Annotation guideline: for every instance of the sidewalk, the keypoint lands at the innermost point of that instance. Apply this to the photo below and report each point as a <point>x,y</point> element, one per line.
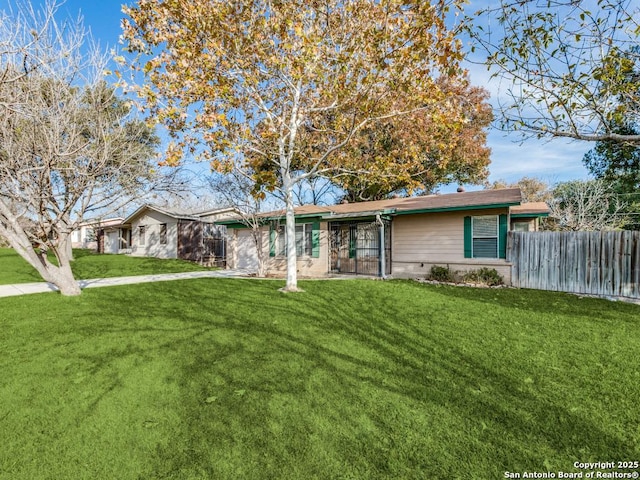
<point>41,287</point>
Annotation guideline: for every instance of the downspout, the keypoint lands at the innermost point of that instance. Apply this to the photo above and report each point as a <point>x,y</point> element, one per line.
<point>382,270</point>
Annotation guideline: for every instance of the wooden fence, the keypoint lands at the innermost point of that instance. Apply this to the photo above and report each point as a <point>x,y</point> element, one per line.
<point>595,263</point>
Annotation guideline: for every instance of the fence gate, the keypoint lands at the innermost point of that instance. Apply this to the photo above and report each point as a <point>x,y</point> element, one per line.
<point>595,263</point>
<point>355,247</point>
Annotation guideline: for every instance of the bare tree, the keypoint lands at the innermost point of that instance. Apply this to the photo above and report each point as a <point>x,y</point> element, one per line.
<point>569,68</point>
<point>237,190</point>
<point>586,206</point>
<point>69,146</point>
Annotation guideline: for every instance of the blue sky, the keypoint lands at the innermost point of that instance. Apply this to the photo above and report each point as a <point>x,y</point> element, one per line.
<point>553,161</point>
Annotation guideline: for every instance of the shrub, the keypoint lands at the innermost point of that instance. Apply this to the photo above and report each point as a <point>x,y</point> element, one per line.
<point>441,274</point>
<point>486,276</point>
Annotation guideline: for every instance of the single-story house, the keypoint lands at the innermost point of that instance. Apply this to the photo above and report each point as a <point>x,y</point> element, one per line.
<point>153,231</point>
<point>400,237</point>
<point>85,234</point>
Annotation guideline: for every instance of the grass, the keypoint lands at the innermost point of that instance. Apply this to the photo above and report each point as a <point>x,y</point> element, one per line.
<point>88,264</point>
<point>349,380</point>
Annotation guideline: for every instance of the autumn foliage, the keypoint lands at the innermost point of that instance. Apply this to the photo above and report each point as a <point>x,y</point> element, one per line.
<point>279,90</point>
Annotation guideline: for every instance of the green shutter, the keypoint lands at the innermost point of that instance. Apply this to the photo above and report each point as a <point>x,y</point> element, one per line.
<point>272,241</point>
<point>315,240</point>
<point>468,253</point>
<point>502,236</point>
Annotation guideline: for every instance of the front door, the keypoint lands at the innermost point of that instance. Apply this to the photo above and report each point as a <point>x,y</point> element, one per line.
<point>356,248</point>
<point>112,242</point>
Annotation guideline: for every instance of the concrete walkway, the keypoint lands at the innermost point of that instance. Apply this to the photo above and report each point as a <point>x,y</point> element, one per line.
<point>41,287</point>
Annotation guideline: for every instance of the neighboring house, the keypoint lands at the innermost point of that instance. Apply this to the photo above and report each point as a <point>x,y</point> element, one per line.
<point>86,234</point>
<point>153,231</point>
<point>402,237</point>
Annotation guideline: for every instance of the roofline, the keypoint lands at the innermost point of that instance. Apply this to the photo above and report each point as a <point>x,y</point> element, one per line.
<point>363,214</point>
<point>204,213</point>
<point>329,215</point>
<point>159,210</point>
<point>529,215</point>
<point>457,209</point>
<point>301,215</point>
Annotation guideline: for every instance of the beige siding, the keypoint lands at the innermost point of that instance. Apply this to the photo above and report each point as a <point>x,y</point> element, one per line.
<point>152,220</point>
<point>423,240</point>
<point>277,266</point>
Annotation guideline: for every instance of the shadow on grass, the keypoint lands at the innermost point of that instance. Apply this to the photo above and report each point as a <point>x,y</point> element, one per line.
<point>539,301</point>
<point>353,380</point>
<point>225,378</point>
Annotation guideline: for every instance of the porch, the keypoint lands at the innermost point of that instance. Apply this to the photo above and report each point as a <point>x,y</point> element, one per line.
<point>360,247</point>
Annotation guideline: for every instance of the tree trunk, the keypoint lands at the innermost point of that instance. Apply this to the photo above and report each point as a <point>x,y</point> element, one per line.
<point>290,235</point>
<point>61,276</point>
<point>66,245</point>
<point>257,239</point>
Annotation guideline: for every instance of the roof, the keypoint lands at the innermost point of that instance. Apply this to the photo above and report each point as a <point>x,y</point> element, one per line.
<point>435,203</point>
<point>101,222</point>
<point>533,209</point>
<point>177,214</point>
<point>507,197</point>
<point>213,211</point>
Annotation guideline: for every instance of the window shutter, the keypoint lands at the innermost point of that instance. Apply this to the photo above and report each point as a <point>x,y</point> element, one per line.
<point>502,236</point>
<point>467,238</point>
<point>272,241</point>
<point>315,240</point>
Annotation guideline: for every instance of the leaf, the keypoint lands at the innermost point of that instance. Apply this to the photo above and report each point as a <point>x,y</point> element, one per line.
<point>149,424</point>
<point>211,399</point>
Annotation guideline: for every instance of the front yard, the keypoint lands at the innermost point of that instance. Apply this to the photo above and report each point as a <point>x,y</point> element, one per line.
<point>87,265</point>
<point>229,379</point>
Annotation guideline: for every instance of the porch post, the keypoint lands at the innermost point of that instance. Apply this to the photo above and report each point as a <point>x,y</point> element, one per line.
<point>382,270</point>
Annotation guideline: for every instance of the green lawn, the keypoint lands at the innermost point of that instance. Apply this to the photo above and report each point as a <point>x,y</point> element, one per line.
<point>230,379</point>
<point>87,264</point>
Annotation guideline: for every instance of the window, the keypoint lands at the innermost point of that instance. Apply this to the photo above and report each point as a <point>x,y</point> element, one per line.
<point>485,236</point>
<point>163,234</point>
<point>141,235</point>
<point>90,235</point>
<point>521,226</point>
<point>211,230</point>
<point>307,240</point>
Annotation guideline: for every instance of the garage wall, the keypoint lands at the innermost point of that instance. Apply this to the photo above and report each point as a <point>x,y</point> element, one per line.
<point>242,254</point>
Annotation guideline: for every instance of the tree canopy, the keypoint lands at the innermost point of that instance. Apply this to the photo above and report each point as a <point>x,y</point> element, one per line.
<point>418,152</point>
<point>277,89</point>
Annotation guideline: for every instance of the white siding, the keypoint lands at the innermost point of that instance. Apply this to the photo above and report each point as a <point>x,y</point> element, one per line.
<point>152,220</point>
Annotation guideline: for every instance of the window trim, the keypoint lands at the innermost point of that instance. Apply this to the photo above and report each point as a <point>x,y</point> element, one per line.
<point>502,229</point>
<point>475,237</point>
